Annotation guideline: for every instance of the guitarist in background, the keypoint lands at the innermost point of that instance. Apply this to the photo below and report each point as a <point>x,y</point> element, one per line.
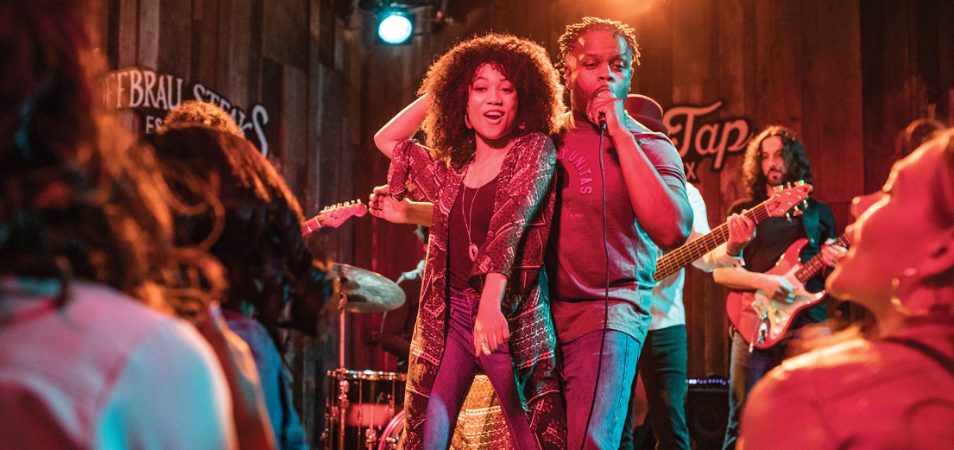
<point>774,157</point>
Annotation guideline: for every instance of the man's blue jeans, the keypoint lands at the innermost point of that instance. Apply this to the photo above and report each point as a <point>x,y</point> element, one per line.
<point>597,387</point>
<point>745,369</point>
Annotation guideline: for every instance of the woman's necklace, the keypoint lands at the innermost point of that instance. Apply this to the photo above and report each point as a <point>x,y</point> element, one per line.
<point>469,216</point>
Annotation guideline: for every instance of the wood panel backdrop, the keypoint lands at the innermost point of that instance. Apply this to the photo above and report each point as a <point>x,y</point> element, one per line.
<point>847,75</point>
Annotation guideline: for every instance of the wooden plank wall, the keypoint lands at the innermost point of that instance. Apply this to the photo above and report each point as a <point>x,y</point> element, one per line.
<point>802,64</point>
<point>847,75</point>
<point>833,71</point>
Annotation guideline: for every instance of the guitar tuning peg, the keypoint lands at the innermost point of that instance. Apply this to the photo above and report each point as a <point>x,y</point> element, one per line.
<point>788,217</point>
<point>805,203</point>
<point>777,188</point>
<point>800,183</point>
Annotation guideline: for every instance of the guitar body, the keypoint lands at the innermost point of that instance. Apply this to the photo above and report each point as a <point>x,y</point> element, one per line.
<point>761,321</point>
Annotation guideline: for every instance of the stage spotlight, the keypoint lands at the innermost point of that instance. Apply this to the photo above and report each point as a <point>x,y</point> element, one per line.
<point>395,27</point>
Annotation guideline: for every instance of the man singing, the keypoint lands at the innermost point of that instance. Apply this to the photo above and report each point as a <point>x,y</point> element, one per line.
<point>616,204</point>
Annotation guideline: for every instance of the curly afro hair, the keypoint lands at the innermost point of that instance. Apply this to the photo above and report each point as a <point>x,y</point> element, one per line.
<point>524,63</point>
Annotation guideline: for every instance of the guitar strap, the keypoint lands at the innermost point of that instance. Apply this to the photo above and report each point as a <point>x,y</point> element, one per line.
<point>810,223</point>
<point>943,360</point>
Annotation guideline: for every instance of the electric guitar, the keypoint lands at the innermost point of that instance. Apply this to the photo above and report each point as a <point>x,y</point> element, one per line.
<point>333,216</point>
<point>762,321</point>
<point>776,206</point>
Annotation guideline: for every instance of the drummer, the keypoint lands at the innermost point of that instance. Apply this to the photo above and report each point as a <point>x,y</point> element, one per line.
<point>488,170</point>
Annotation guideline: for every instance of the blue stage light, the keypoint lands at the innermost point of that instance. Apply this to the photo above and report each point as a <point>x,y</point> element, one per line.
<point>395,27</point>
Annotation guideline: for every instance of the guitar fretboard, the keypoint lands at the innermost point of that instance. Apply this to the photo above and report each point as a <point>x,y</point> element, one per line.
<point>815,265</point>
<point>671,262</point>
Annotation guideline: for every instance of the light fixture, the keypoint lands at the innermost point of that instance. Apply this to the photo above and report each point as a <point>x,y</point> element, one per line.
<point>395,27</point>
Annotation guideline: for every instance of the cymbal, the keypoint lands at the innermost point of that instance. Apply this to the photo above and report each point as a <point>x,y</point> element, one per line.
<point>367,291</point>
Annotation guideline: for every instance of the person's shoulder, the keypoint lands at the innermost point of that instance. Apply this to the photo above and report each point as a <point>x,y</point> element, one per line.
<point>830,357</point>
<point>693,192</point>
<point>96,304</point>
<point>822,207</point>
<point>534,139</point>
<point>800,375</point>
<point>640,130</point>
<point>534,144</point>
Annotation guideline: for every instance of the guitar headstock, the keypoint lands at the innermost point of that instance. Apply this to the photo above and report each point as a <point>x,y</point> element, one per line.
<point>788,197</point>
<point>335,215</point>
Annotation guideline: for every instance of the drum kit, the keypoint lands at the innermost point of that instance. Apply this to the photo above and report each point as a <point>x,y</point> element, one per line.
<point>362,403</point>
<point>364,408</point>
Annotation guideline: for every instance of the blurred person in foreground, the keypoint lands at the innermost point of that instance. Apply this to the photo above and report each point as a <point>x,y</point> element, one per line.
<point>252,224</point>
<point>895,388</point>
<point>91,355</point>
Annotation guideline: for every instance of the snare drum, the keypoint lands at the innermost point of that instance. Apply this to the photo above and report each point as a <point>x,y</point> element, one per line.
<point>366,401</point>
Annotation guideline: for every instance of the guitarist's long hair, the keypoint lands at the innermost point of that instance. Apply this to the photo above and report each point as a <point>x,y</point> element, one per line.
<point>793,152</point>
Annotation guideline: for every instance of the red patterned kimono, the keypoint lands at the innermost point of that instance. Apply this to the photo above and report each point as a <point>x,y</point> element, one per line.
<point>514,246</point>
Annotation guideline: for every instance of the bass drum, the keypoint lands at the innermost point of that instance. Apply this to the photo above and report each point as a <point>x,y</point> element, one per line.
<point>480,425</point>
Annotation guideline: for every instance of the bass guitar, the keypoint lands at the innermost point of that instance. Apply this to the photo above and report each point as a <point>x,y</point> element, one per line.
<point>779,204</point>
<point>763,321</point>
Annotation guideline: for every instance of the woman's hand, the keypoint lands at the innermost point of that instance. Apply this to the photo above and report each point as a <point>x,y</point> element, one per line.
<point>490,329</point>
<point>383,206</point>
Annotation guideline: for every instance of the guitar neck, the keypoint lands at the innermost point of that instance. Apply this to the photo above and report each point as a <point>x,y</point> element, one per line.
<point>815,265</point>
<point>311,225</point>
<point>671,262</point>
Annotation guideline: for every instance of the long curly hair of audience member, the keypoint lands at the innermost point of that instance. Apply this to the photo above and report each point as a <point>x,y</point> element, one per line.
<point>203,113</point>
<point>573,32</point>
<point>448,81</point>
<point>259,241</point>
<point>75,201</point>
<point>793,153</point>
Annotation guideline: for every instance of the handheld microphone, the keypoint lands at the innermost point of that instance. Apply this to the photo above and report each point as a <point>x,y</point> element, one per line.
<point>602,92</point>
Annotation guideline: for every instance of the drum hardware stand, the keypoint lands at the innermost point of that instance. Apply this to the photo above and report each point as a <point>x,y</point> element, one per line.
<point>343,385</point>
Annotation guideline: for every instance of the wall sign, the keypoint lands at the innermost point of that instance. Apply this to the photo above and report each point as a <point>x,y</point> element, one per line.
<point>151,95</point>
<point>698,138</point>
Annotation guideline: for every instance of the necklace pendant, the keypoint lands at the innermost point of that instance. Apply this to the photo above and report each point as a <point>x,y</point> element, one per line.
<point>472,252</point>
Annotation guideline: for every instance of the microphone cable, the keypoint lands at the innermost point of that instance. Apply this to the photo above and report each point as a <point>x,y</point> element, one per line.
<point>599,364</point>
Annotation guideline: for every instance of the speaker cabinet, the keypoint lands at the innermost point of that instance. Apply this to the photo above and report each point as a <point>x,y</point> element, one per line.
<point>707,412</point>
